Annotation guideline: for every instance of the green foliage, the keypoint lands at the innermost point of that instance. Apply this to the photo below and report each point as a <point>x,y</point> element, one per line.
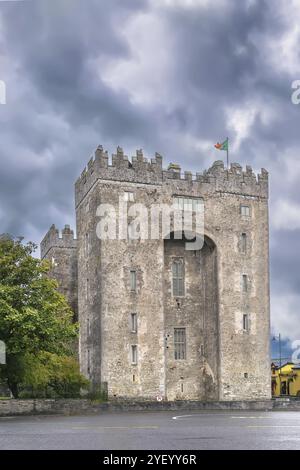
<point>48,375</point>
<point>34,316</point>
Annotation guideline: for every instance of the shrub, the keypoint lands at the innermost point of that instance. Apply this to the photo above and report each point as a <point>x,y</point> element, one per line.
<point>48,375</point>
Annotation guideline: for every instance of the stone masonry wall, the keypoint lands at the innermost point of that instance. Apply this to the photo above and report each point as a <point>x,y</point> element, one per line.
<point>84,407</point>
<point>106,302</point>
<point>196,377</point>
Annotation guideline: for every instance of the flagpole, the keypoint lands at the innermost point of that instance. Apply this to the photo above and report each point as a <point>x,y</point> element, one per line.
<point>227,154</point>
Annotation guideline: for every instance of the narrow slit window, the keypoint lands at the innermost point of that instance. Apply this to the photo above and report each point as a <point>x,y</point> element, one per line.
<point>134,354</point>
<point>178,278</point>
<point>87,243</point>
<point>134,322</point>
<point>133,280</point>
<point>245,283</point>
<point>87,289</point>
<point>88,362</point>
<point>243,242</point>
<point>245,322</point>
<point>179,343</point>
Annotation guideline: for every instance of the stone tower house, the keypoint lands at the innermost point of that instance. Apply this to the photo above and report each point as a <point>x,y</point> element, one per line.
<point>157,320</point>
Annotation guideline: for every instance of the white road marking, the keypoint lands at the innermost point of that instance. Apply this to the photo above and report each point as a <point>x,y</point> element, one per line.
<point>250,417</point>
<point>275,426</point>
<point>182,416</point>
<point>95,427</point>
<point>223,414</point>
<point>200,414</point>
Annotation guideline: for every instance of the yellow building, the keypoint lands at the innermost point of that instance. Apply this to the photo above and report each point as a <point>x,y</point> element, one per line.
<point>286,380</point>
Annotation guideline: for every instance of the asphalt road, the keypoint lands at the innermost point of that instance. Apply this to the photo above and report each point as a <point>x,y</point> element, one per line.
<point>159,430</point>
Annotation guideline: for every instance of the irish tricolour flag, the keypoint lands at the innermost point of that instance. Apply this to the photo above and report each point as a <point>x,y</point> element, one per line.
<point>223,146</point>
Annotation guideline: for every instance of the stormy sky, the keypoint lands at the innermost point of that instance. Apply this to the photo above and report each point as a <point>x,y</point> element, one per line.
<point>172,76</point>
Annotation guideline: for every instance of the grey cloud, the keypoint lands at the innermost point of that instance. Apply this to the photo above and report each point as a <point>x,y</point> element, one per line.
<point>60,107</point>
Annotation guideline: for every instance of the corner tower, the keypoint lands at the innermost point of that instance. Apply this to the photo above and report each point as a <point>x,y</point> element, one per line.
<point>61,251</point>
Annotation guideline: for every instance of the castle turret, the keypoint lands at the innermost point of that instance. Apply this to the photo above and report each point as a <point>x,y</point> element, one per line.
<point>61,251</point>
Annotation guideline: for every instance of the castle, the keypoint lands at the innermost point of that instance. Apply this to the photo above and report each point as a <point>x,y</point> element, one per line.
<point>158,321</point>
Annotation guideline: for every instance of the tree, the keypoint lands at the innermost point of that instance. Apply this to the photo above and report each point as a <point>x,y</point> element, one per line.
<point>65,379</point>
<point>47,375</point>
<point>34,316</point>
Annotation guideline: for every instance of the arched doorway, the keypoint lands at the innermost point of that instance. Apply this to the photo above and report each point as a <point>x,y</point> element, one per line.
<point>191,320</point>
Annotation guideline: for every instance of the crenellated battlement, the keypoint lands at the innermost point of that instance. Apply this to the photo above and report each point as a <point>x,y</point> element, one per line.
<point>139,169</point>
<point>53,238</point>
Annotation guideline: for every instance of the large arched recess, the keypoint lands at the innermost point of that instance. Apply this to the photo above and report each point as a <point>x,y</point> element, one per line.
<point>196,312</point>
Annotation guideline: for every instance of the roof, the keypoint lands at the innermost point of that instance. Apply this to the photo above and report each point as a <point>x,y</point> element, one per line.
<point>275,363</point>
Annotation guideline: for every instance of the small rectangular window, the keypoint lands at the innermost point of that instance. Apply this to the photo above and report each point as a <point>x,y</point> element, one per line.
<point>245,322</point>
<point>134,322</point>
<point>133,280</point>
<point>134,354</point>
<point>128,196</point>
<point>179,343</point>
<point>245,210</point>
<point>243,242</point>
<point>245,282</point>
